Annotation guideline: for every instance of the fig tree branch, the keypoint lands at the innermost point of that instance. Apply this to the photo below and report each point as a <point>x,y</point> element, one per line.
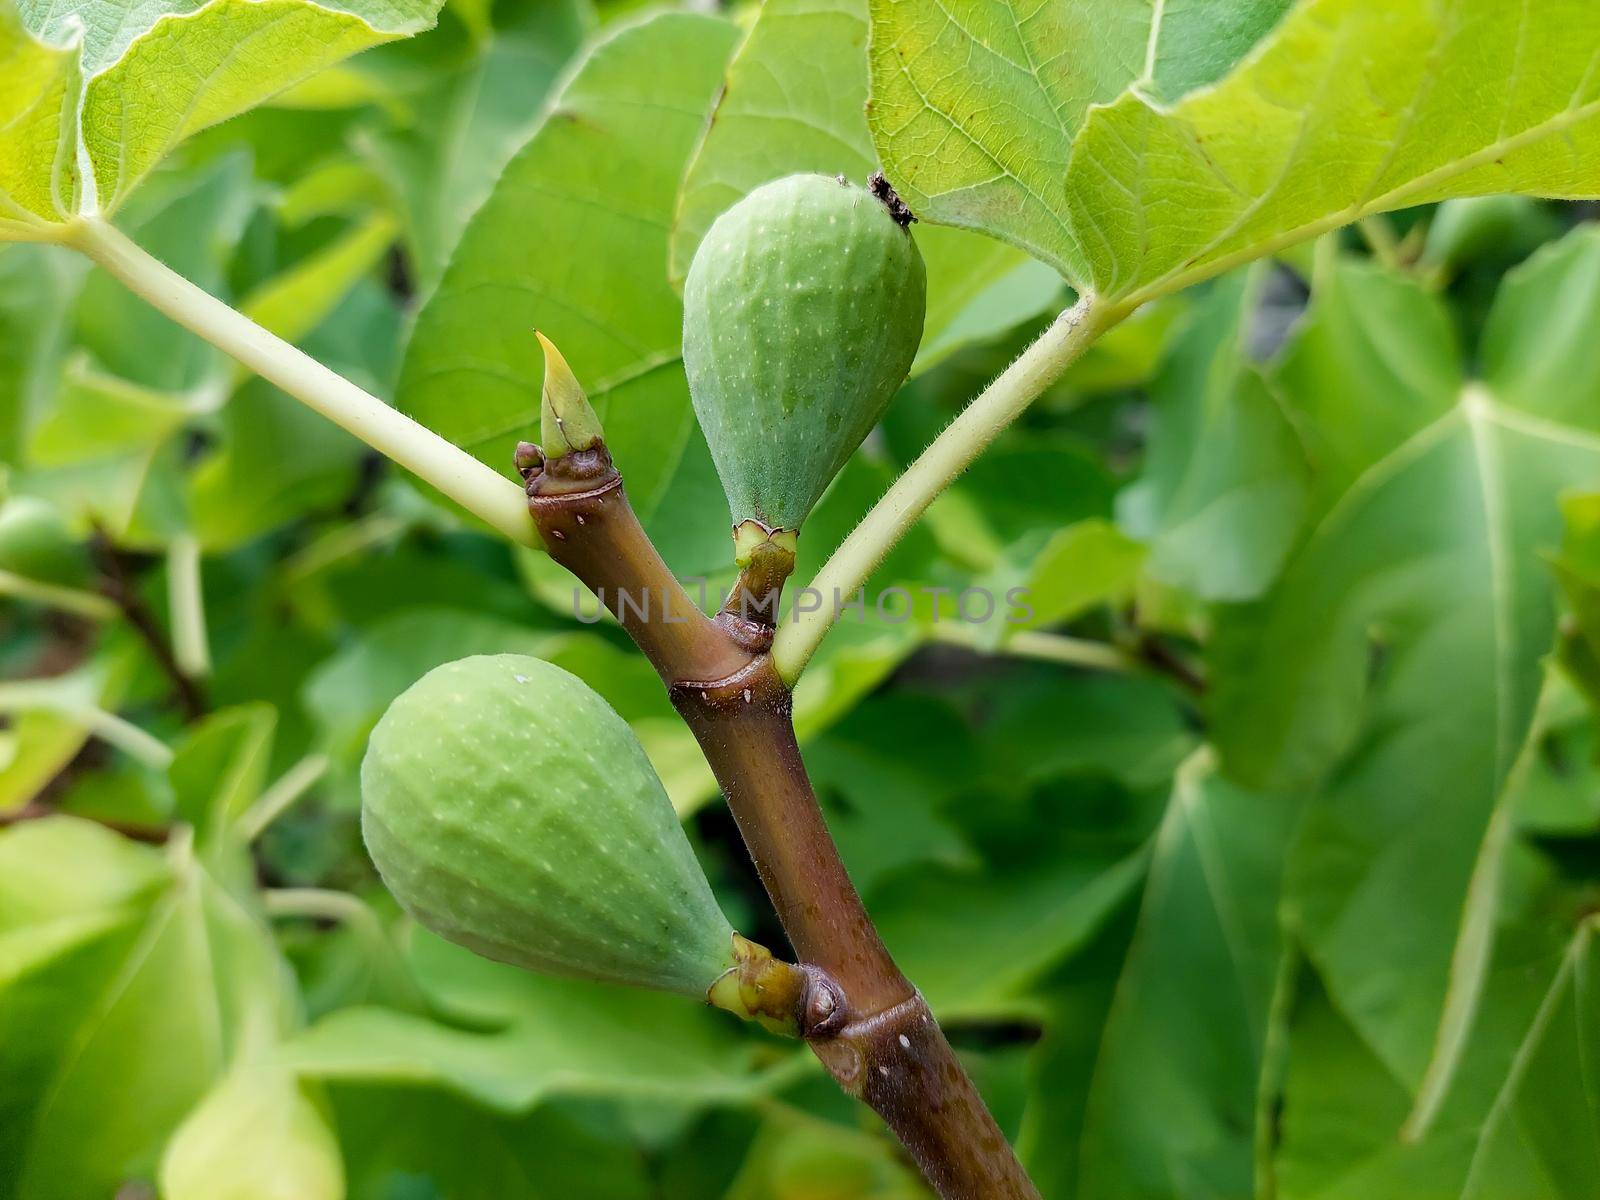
<point>874,1032</point>
<point>476,487</point>
<point>951,453</point>
<point>119,588</point>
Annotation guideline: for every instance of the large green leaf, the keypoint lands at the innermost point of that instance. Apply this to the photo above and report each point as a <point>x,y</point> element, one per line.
<point>1342,1125</point>
<point>152,73</point>
<point>1351,107</point>
<point>1175,1084</point>
<point>36,288</point>
<point>1394,668</point>
<point>1062,1065</point>
<point>573,240</point>
<point>1195,137</point>
<point>1337,1113</point>
<point>975,106</point>
<point>38,92</point>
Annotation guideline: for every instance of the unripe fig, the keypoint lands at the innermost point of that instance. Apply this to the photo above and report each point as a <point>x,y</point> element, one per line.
<point>803,309</point>
<point>512,811</point>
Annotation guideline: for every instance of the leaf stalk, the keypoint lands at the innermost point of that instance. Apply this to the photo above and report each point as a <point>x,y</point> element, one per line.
<point>937,467</point>
<point>471,484</point>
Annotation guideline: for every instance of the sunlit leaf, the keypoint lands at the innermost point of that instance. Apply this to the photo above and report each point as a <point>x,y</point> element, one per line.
<point>1192,138</point>
<point>37,96</point>
<point>151,75</point>
<point>974,110</point>
<point>1350,107</point>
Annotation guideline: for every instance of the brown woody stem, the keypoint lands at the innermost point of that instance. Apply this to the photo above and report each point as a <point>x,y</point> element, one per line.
<point>877,1038</point>
<point>119,588</point>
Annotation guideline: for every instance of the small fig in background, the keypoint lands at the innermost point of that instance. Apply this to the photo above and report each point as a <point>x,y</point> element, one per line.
<point>803,309</point>
<point>512,811</point>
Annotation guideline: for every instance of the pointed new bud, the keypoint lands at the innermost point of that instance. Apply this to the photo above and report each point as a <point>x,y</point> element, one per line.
<point>567,423</point>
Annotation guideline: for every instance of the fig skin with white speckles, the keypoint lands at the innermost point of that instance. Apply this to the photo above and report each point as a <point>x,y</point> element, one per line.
<point>512,811</point>
<point>803,310</point>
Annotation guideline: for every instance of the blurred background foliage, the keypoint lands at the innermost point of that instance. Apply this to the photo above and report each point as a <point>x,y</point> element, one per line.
<point>1190,867</point>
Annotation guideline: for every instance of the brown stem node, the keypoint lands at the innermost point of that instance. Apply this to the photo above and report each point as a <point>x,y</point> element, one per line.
<point>582,512</point>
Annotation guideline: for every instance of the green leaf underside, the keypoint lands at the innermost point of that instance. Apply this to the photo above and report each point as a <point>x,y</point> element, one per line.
<point>573,240</point>
<point>127,81</point>
<point>1345,108</point>
<point>1428,555</point>
<point>975,106</point>
<point>1353,107</point>
<point>1192,1005</point>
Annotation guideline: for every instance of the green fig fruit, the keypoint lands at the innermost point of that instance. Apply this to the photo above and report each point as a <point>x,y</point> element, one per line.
<point>802,311</point>
<point>512,811</point>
